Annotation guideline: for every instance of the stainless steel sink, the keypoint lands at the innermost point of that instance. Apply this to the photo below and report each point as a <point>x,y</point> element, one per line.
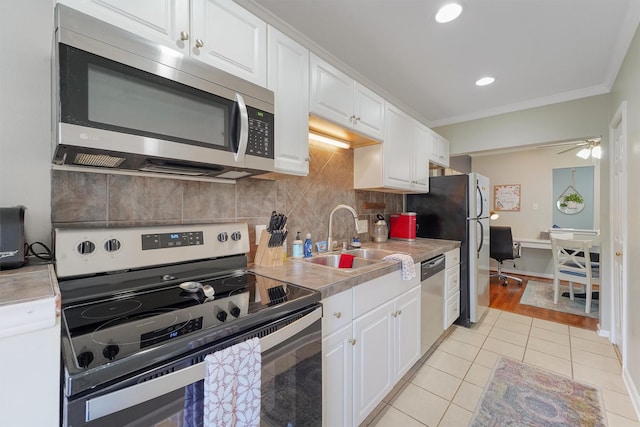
<point>333,261</point>
<point>369,253</point>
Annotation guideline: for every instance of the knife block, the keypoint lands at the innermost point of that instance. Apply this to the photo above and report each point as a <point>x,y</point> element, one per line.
<point>266,256</point>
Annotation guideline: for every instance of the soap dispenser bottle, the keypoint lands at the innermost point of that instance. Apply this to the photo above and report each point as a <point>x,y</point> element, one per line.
<point>297,251</point>
<point>308,246</point>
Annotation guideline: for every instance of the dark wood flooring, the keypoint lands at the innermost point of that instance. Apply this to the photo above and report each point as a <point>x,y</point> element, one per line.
<point>508,299</point>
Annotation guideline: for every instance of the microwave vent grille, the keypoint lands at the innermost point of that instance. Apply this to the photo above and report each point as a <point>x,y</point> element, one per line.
<point>101,160</point>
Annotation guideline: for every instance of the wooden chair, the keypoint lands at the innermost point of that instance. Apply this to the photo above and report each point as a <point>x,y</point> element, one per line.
<point>572,262</point>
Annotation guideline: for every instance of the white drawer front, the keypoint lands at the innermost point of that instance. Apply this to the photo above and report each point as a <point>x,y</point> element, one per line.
<point>451,282</point>
<point>452,258</point>
<point>451,310</point>
<point>337,311</point>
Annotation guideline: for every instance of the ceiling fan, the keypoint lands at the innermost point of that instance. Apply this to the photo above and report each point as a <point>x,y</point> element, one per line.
<point>589,146</point>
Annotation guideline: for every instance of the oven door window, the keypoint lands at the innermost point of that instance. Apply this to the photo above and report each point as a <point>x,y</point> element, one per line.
<point>100,93</point>
<point>291,392</point>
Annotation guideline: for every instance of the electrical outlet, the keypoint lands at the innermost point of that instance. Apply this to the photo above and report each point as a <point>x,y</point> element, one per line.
<point>363,226</point>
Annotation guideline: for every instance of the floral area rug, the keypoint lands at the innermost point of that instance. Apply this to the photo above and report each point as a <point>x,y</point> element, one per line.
<point>520,395</point>
<point>540,294</point>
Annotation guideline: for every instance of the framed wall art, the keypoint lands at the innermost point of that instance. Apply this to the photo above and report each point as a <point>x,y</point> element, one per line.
<point>506,197</point>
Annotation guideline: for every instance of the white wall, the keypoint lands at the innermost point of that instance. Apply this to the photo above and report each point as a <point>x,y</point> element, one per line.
<point>26,29</point>
<point>627,87</point>
<point>562,121</point>
<point>533,170</point>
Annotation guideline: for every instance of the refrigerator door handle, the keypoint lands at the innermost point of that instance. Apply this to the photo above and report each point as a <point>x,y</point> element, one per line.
<point>480,200</point>
<point>481,239</point>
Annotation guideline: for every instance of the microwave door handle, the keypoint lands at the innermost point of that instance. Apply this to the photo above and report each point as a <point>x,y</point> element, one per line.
<point>243,137</point>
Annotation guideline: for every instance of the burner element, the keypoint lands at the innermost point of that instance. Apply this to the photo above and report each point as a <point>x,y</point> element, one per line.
<point>111,309</point>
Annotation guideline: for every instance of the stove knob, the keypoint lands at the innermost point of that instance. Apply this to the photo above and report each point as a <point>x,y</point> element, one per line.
<point>235,311</point>
<point>235,236</point>
<point>85,358</point>
<point>222,315</point>
<point>86,247</point>
<point>112,245</point>
<point>111,351</point>
<point>223,237</point>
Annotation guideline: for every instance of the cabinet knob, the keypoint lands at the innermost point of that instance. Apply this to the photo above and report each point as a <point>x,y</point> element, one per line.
<point>184,36</point>
<point>352,118</point>
<point>357,118</point>
<point>338,314</point>
<point>618,253</point>
<point>352,341</point>
<point>199,43</point>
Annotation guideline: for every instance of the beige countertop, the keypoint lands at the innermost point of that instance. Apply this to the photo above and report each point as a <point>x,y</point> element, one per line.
<point>29,298</point>
<point>330,281</point>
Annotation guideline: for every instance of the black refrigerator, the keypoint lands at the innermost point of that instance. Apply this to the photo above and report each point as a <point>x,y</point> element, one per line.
<point>457,208</point>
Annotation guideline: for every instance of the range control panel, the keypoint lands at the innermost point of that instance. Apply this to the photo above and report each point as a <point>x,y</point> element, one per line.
<point>101,250</point>
<point>171,240</point>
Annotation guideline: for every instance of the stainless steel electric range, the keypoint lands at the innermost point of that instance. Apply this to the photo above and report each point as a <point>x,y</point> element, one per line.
<point>143,306</point>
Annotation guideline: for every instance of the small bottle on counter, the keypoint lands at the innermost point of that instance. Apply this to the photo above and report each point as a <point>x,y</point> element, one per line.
<point>308,246</point>
<point>356,242</point>
<point>297,250</point>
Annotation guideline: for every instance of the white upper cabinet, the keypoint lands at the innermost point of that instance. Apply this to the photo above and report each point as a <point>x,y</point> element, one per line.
<point>401,163</point>
<point>289,80</point>
<point>340,99</point>
<point>439,150</point>
<point>166,21</point>
<point>231,38</point>
<point>218,32</point>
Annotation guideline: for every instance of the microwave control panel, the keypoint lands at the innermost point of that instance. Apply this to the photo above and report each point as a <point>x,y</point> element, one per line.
<point>261,134</point>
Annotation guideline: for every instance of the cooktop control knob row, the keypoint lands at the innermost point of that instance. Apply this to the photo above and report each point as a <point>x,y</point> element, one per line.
<point>235,236</point>
<point>222,316</point>
<point>223,237</point>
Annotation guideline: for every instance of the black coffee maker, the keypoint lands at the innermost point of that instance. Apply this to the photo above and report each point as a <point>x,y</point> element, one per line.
<point>13,247</point>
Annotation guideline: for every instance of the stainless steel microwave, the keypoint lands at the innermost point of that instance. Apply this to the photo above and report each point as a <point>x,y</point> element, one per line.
<point>125,102</point>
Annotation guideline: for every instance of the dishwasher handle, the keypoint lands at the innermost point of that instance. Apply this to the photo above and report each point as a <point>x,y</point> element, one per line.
<point>431,267</point>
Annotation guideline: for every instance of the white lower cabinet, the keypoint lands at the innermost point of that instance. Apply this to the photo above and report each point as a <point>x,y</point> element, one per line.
<point>365,357</point>
<point>451,296</point>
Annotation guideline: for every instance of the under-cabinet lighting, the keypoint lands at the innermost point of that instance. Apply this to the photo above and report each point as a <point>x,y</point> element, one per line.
<point>448,13</point>
<point>493,215</point>
<point>330,141</point>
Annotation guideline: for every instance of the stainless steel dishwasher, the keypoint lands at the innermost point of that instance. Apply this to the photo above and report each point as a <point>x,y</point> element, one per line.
<point>431,290</point>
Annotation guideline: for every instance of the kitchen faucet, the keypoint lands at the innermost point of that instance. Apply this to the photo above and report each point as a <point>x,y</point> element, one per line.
<point>355,219</point>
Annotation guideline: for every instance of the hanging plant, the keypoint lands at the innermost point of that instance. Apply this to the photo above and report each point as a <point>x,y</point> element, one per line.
<point>571,200</point>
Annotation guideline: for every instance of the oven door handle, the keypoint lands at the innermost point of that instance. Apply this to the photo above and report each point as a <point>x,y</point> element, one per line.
<point>108,404</point>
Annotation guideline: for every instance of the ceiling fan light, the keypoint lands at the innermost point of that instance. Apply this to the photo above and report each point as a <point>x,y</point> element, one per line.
<point>584,153</point>
<point>448,13</point>
<point>596,152</point>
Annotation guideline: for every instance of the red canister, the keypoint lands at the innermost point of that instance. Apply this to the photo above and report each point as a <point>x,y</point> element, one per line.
<point>403,226</point>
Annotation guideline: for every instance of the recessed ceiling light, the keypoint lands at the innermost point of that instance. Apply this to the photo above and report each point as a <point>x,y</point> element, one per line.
<point>485,81</point>
<point>448,12</point>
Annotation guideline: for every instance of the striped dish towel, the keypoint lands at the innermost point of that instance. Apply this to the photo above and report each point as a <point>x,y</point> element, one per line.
<point>408,270</point>
<point>232,386</point>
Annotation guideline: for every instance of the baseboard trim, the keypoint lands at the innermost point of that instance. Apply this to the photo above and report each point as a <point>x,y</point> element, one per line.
<point>526,273</point>
<point>633,391</point>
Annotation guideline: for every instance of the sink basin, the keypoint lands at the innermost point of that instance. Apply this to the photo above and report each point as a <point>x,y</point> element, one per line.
<point>369,253</point>
<point>334,261</point>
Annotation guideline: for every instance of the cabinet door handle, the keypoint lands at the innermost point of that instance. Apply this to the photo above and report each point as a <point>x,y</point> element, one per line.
<point>399,312</point>
<point>352,341</point>
<point>184,36</point>
<point>338,314</point>
<point>199,43</point>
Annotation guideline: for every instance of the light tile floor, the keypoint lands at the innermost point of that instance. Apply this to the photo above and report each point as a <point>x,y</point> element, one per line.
<point>444,389</point>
